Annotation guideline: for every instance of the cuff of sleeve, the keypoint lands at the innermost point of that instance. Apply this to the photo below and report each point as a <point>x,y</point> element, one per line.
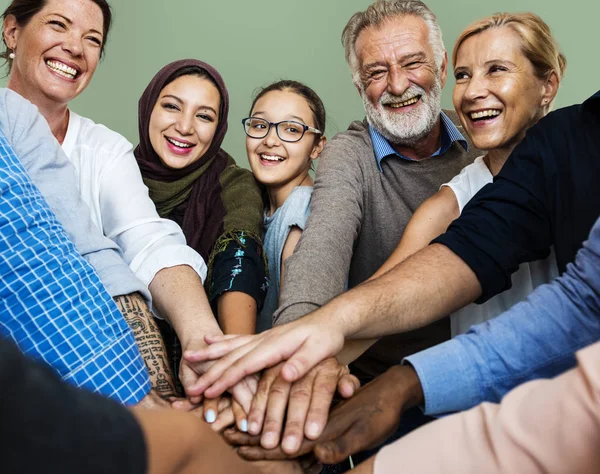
<point>293,312</point>
<point>169,256</point>
<point>117,372</point>
<point>449,380</point>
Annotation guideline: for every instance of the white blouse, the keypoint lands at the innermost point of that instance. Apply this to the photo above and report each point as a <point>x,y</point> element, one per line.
<point>529,275</point>
<point>111,185</point>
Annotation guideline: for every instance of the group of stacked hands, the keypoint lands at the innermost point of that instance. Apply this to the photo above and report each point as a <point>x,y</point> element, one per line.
<point>58,306</point>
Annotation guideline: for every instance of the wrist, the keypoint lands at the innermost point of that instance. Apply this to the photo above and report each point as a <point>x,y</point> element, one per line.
<point>409,391</point>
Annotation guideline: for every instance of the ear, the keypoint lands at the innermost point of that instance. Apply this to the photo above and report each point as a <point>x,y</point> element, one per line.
<point>11,31</point>
<point>444,69</point>
<point>550,88</point>
<point>318,148</point>
<point>358,88</point>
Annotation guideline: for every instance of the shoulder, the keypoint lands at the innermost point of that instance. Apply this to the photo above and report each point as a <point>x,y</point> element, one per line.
<point>16,112</point>
<point>295,209</point>
<point>97,137</point>
<point>353,142</point>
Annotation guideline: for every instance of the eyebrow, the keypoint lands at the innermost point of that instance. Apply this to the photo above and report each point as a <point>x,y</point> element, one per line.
<point>503,61</point>
<point>403,59</point>
<point>174,97</point>
<point>70,22</point>
<point>300,119</point>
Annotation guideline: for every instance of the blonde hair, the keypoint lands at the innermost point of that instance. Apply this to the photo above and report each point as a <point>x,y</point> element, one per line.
<point>537,43</point>
<point>381,11</point>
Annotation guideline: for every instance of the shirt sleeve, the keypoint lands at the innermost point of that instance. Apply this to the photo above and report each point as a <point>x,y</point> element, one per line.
<point>507,222</point>
<point>541,427</point>
<point>72,431</point>
<point>535,338</point>
<point>149,243</point>
<point>54,175</point>
<point>318,269</point>
<point>239,267</point>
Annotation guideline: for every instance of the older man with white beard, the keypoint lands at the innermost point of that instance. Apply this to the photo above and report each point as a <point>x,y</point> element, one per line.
<point>372,177</point>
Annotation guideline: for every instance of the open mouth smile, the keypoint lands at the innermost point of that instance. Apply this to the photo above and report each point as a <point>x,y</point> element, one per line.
<point>484,115</point>
<point>406,103</point>
<point>62,69</point>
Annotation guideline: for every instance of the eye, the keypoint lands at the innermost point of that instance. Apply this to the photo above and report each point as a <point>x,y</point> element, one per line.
<point>497,68</point>
<point>205,117</point>
<point>94,40</point>
<point>460,76</point>
<point>170,106</point>
<point>377,74</point>
<point>258,125</point>
<point>57,24</point>
<point>412,65</point>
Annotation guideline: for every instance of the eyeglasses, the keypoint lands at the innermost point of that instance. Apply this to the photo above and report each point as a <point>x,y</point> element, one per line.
<point>288,131</point>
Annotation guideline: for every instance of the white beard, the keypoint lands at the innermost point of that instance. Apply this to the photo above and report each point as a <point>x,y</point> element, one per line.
<point>406,128</point>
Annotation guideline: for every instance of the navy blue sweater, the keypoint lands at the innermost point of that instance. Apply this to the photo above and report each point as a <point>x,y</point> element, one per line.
<point>547,194</point>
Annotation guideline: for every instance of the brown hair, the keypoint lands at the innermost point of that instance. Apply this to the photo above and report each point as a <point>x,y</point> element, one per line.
<point>25,10</point>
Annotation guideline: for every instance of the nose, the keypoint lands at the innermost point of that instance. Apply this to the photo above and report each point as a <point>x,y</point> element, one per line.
<point>476,88</point>
<point>73,44</point>
<point>398,82</point>
<point>183,125</point>
<point>272,139</point>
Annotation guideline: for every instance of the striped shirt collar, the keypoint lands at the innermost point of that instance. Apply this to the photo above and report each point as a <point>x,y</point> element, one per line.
<point>450,134</point>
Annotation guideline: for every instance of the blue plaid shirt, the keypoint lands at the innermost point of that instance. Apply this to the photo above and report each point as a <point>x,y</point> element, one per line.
<point>450,134</point>
<point>52,303</point>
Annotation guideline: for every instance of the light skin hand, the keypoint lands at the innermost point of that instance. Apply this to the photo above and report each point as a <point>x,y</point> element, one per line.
<point>305,345</point>
<point>362,422</point>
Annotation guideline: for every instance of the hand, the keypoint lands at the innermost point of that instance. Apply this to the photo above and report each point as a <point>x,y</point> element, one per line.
<point>305,343</point>
<point>153,401</point>
<point>243,391</point>
<point>362,422</point>
<point>307,408</point>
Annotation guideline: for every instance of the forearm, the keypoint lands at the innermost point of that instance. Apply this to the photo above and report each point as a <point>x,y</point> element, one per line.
<point>149,341</point>
<point>237,313</point>
<point>426,287</point>
<point>178,294</point>
<point>353,349</point>
<point>179,443</point>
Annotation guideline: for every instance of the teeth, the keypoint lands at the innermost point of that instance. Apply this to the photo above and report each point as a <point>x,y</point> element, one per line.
<point>405,103</point>
<point>484,113</point>
<point>62,69</point>
<point>271,158</point>
<point>179,144</point>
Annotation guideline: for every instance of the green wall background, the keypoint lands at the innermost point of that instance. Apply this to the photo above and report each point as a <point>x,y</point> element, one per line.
<point>304,45</point>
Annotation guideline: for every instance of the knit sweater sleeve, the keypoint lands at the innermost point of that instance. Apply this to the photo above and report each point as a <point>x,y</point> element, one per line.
<point>318,269</point>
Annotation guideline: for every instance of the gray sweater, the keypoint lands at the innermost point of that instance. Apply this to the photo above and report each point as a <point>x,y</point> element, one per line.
<point>358,215</point>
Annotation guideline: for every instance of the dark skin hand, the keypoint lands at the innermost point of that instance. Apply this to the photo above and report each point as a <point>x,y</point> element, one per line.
<point>363,422</point>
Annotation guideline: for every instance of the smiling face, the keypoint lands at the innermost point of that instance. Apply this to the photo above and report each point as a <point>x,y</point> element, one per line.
<point>184,120</point>
<point>274,162</point>
<point>400,83</point>
<point>57,52</point>
<point>497,94</point>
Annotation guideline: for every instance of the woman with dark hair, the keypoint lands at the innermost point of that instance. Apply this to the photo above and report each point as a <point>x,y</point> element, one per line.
<point>194,182</point>
<point>53,49</point>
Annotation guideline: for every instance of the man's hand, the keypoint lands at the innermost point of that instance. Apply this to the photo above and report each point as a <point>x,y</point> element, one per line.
<point>362,422</point>
<point>306,401</point>
<point>303,344</point>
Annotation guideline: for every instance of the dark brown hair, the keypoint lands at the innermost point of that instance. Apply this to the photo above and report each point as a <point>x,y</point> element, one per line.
<point>314,101</point>
<point>25,10</point>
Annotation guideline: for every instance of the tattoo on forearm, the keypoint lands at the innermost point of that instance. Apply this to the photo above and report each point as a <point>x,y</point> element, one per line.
<point>149,341</point>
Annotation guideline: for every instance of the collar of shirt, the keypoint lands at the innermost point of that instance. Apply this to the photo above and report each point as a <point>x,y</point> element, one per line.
<point>593,103</point>
<point>450,134</point>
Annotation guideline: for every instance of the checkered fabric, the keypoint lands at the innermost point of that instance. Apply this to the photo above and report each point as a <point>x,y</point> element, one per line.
<point>52,304</point>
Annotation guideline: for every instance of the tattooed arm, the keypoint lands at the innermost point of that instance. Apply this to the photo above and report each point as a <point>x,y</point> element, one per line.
<point>149,341</point>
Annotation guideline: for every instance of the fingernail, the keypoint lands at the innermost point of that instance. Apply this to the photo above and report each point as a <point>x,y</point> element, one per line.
<point>244,426</point>
<point>289,443</point>
<point>254,428</point>
<point>313,429</point>
<point>211,416</point>
<point>269,440</point>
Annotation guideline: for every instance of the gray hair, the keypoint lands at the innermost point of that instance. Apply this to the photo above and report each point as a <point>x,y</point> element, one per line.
<point>383,10</point>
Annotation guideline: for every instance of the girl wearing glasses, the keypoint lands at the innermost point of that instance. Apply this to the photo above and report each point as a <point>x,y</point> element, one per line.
<point>284,136</point>
<point>194,182</point>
